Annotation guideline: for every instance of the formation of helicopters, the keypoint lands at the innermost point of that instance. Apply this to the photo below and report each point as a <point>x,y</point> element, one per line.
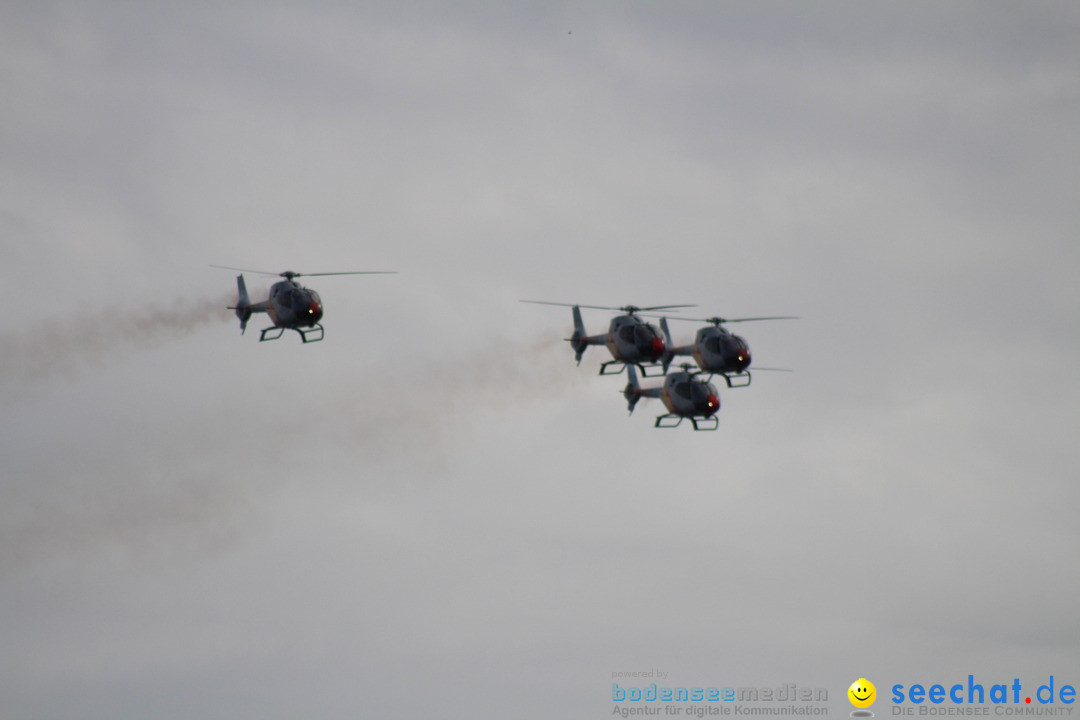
<point>635,344</point>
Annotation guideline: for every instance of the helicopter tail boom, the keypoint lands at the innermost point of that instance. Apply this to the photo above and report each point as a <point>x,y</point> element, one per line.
<point>577,340</point>
<point>668,355</point>
<point>671,350</point>
<point>632,393</point>
<point>243,306</point>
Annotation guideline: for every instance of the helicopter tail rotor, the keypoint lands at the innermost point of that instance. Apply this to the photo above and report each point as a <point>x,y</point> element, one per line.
<point>577,340</point>
<point>632,393</point>
<point>243,304</point>
<point>669,348</point>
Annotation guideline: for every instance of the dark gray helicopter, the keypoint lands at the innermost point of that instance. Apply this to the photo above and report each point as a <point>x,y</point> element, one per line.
<point>716,350</point>
<point>629,339</point>
<point>683,394</point>
<point>289,305</point>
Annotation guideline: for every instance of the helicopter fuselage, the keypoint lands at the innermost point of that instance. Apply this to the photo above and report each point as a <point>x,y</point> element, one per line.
<point>685,396</point>
<point>718,351</point>
<point>291,305</point>
<point>632,340</point>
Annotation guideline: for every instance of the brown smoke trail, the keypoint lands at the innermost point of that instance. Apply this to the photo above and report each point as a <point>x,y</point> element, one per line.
<point>67,345</point>
<point>433,404</point>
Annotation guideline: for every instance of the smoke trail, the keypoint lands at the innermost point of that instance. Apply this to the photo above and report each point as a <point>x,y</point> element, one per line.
<point>118,512</point>
<point>65,346</point>
<point>435,405</point>
<point>149,499</point>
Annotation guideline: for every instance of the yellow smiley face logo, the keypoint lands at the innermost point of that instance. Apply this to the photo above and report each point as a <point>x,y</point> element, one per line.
<point>862,693</point>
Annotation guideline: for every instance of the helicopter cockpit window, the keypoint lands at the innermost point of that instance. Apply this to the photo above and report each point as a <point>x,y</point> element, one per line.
<point>683,390</point>
<point>712,344</point>
<point>627,333</point>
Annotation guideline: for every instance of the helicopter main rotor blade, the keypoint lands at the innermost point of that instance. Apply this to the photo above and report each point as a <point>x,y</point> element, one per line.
<point>719,320</point>
<point>592,307</point>
<point>358,272</point>
<point>248,270</point>
<point>664,307</point>
<point>754,319</point>
<point>625,308</point>
<point>291,274</point>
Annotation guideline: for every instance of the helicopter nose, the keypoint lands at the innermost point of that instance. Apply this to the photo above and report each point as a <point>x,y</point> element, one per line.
<point>742,359</point>
<point>314,311</point>
<point>712,404</point>
<point>658,347</point>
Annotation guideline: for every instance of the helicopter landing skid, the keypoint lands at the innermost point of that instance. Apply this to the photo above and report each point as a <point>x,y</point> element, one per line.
<point>737,376</point>
<point>709,423</point>
<point>620,366</point>
<point>315,331</point>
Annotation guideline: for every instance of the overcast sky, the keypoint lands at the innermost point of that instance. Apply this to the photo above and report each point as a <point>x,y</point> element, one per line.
<point>433,512</point>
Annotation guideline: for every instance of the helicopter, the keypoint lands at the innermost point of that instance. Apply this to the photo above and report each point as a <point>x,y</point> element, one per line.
<point>289,305</point>
<point>716,350</point>
<point>629,339</point>
<point>684,395</point>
